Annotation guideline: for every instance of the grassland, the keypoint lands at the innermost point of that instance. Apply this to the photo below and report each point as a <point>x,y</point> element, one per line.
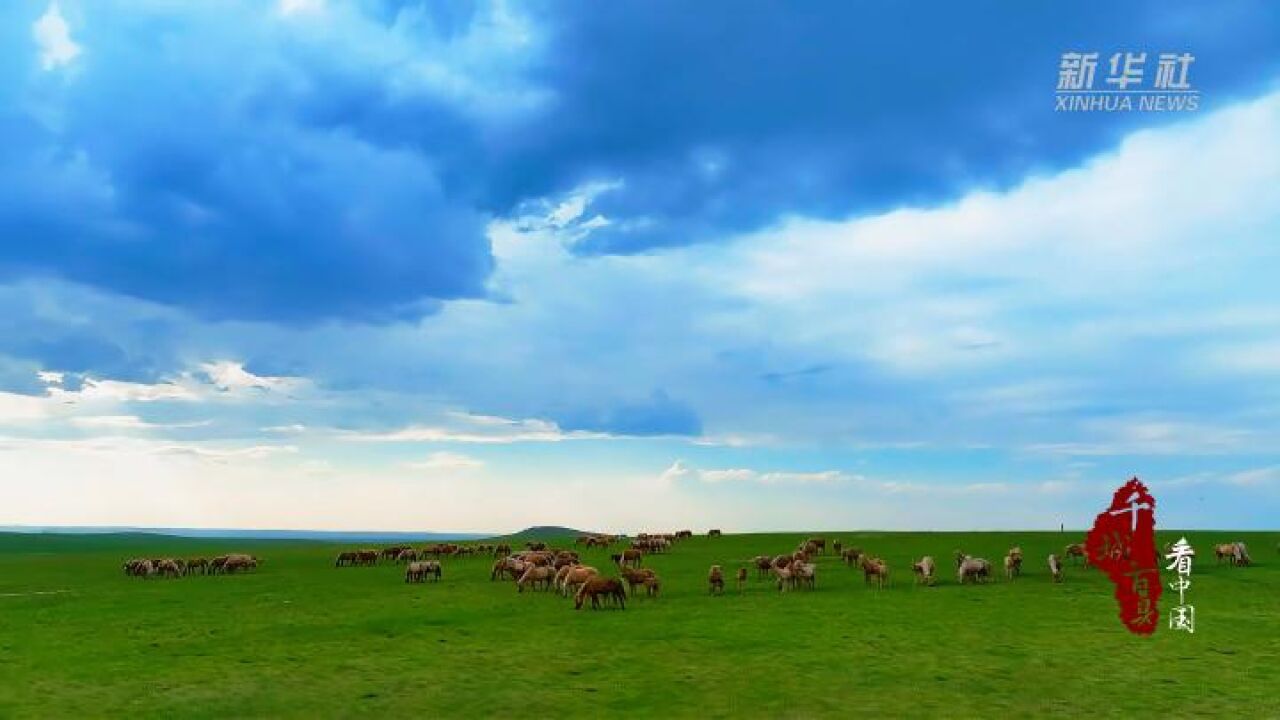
<point>300,638</point>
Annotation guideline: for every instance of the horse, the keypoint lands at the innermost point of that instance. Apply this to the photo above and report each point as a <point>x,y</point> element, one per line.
<point>715,580</point>
<point>972,568</point>
<point>874,568</point>
<point>534,576</point>
<point>574,577</point>
<point>1055,568</point>
<point>1013,564</point>
<point>596,587</point>
<point>634,577</point>
<point>923,570</point>
<point>804,575</point>
<point>1076,550</point>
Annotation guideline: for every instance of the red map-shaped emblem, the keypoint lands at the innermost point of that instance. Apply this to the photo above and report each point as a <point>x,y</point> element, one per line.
<point>1122,543</point>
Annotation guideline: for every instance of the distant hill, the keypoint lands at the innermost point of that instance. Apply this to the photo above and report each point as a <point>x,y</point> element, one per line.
<point>545,531</point>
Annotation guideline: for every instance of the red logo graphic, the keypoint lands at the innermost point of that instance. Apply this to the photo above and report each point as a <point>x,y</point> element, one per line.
<point>1123,543</point>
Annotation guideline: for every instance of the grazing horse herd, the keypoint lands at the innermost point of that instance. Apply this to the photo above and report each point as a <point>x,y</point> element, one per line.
<point>179,567</point>
<point>541,567</point>
<point>417,567</point>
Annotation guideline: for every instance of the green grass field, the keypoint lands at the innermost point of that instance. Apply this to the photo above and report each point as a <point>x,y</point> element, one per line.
<point>300,638</point>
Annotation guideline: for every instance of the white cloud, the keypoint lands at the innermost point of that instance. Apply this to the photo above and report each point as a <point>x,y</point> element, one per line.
<point>132,448</point>
<point>673,473</point>
<point>15,408</point>
<point>444,460</point>
<point>223,454</point>
<point>467,428</point>
<point>222,381</point>
<point>727,475</point>
<point>230,376</point>
<point>1044,395</point>
<point>994,307</point>
<point>295,7</point>
<point>678,470</point>
<point>1256,477</point>
<point>1054,244</point>
<point>106,405</point>
<point>117,391</point>
<point>129,422</point>
<point>53,39</point>
<point>1156,435</point>
<point>117,422</point>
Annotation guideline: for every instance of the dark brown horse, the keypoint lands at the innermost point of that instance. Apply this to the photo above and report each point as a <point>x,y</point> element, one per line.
<point>597,587</point>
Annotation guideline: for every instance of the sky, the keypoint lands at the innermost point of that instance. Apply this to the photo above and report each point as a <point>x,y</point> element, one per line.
<point>626,266</point>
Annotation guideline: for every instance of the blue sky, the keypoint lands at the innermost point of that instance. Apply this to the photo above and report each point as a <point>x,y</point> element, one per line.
<point>474,266</point>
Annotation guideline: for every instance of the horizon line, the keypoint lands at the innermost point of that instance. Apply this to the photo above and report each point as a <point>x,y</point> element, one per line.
<point>170,531</point>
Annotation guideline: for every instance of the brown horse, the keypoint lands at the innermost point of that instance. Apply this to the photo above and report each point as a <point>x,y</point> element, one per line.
<point>635,577</point>
<point>652,586</point>
<point>509,568</point>
<point>239,562</point>
<point>1235,552</point>
<point>715,580</point>
<point>597,587</point>
<point>1225,550</point>
<point>574,577</point>
<point>1013,563</point>
<point>631,557</point>
<point>874,568</point>
<point>393,552</point>
<point>535,576</point>
<point>1076,550</point>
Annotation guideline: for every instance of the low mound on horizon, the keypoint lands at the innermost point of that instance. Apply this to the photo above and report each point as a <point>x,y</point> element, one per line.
<point>546,531</point>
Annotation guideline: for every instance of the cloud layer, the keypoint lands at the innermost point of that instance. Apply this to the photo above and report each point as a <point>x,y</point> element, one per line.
<point>604,263</point>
